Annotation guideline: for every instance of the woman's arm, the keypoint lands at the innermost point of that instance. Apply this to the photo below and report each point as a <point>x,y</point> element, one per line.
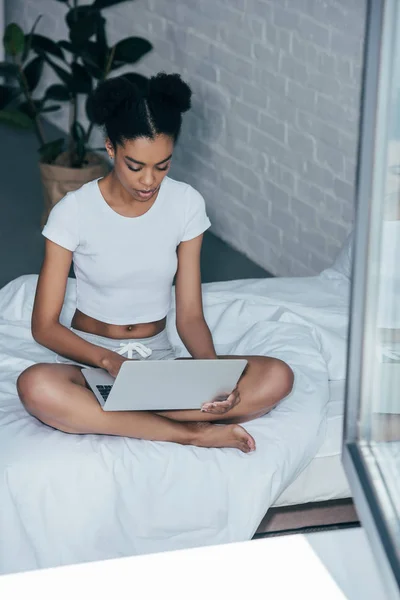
<point>191,325</point>
<point>49,298</point>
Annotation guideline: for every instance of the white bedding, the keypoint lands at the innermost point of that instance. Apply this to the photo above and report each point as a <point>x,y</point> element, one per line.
<point>324,478</point>
<point>323,300</point>
<point>67,499</point>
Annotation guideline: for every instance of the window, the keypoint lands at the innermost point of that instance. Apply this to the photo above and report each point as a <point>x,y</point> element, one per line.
<point>371,450</point>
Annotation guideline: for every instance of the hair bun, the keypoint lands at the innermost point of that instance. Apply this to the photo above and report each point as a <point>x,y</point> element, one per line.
<point>171,89</point>
<point>109,96</point>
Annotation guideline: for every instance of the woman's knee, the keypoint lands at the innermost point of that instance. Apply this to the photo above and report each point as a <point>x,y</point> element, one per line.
<point>274,381</point>
<point>282,377</point>
<point>34,387</point>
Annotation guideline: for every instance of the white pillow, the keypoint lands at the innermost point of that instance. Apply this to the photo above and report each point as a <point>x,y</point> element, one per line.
<point>17,297</point>
<point>343,262</point>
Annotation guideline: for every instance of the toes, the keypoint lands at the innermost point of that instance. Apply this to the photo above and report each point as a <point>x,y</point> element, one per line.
<point>247,440</point>
<point>251,444</point>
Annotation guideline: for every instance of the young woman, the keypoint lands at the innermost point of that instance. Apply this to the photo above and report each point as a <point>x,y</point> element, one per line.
<point>128,234</point>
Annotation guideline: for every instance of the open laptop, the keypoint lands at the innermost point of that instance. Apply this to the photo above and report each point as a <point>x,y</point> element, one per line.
<point>164,384</point>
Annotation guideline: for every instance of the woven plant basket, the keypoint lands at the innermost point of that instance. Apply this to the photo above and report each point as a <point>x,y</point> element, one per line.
<point>58,179</point>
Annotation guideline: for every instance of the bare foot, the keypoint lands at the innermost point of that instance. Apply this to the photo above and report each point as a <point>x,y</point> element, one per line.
<point>207,435</point>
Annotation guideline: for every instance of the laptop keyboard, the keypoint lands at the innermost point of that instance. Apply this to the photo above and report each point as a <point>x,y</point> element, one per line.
<point>104,391</point>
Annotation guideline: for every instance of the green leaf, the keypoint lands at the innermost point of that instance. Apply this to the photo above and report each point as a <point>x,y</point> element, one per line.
<point>88,108</point>
<point>51,108</point>
<point>67,46</point>
<point>49,152</point>
<point>77,131</point>
<point>91,68</point>
<point>93,59</point>
<point>81,80</point>
<point>7,95</point>
<point>100,4</point>
<point>33,72</point>
<point>8,69</point>
<point>14,39</point>
<point>62,73</point>
<point>79,12</point>
<point>27,108</point>
<point>15,118</point>
<point>130,50</point>
<point>101,37</point>
<point>42,45</point>
<point>28,39</point>
<point>57,92</point>
<point>83,23</point>
<point>78,135</point>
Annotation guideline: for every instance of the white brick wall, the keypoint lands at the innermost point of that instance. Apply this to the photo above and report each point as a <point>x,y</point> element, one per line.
<point>271,138</point>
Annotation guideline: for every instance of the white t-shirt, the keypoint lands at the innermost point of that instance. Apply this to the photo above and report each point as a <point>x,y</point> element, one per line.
<point>124,266</point>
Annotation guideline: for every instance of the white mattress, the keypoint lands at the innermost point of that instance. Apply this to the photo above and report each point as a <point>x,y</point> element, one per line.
<point>324,478</point>
<point>67,498</point>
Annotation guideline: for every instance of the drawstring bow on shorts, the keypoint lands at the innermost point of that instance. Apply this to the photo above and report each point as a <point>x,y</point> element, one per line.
<point>128,348</point>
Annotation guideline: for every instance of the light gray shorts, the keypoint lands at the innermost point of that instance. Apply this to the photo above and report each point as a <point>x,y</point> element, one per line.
<point>157,347</point>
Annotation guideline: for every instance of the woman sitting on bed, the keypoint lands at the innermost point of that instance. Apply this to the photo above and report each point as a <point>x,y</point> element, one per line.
<point>128,234</point>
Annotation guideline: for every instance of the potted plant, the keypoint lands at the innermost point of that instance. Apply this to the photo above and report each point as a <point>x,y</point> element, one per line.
<point>80,62</point>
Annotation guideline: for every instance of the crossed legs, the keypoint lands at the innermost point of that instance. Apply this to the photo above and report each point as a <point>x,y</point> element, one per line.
<point>57,395</point>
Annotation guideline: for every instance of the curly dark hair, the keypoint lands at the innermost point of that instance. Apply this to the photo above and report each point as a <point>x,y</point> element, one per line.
<point>128,111</point>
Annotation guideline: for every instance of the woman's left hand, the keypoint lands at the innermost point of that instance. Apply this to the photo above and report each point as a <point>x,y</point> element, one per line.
<point>222,404</point>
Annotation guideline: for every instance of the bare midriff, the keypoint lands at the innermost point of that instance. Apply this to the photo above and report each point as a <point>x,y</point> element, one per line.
<point>88,324</point>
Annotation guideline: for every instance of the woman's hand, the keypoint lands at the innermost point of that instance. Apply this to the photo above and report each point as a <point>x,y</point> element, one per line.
<point>112,363</point>
<point>222,404</point>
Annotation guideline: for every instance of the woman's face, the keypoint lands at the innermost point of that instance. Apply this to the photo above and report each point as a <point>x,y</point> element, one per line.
<point>140,165</point>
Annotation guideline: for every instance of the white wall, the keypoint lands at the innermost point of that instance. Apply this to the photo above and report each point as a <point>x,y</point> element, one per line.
<point>271,138</point>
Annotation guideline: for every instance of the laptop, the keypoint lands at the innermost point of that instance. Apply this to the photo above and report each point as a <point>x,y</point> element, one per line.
<point>164,384</point>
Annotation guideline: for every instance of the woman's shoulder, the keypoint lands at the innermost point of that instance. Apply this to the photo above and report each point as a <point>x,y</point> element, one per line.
<point>87,189</point>
<point>84,190</point>
<point>75,200</point>
<point>181,190</point>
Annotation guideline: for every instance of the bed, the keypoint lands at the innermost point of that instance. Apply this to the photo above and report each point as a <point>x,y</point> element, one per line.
<point>67,498</point>
<point>320,301</point>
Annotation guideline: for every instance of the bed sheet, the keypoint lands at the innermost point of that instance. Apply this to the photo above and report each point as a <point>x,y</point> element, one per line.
<point>324,478</point>
<point>323,301</point>
<point>68,499</point>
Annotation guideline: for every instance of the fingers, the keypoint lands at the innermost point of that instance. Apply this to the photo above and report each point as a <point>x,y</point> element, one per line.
<point>234,397</point>
<point>220,407</point>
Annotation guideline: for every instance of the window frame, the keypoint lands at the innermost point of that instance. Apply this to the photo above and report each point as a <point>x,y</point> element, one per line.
<point>372,501</point>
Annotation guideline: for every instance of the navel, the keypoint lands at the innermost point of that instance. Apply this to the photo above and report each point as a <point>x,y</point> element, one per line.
<point>130,327</point>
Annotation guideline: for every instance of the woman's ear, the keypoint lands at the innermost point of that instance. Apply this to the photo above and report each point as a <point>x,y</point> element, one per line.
<point>109,148</point>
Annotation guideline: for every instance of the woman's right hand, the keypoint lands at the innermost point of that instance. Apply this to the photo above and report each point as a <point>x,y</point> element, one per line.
<point>112,363</point>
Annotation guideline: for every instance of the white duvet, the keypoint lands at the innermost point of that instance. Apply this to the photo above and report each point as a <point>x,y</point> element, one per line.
<point>66,499</point>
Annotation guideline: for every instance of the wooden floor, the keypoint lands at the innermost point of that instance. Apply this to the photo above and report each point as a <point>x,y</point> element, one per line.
<point>308,516</point>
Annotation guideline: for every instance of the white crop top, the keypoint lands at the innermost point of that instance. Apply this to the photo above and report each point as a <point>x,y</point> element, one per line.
<point>124,266</point>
